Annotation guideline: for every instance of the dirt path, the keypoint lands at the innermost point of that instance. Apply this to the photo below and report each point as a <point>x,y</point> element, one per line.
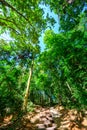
<point>54,118</point>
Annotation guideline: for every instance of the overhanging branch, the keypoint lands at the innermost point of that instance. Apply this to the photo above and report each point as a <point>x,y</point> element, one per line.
<point>3,2</point>
<point>5,25</point>
<point>7,20</point>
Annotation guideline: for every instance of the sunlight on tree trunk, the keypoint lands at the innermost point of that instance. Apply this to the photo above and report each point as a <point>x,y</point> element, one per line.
<point>27,89</point>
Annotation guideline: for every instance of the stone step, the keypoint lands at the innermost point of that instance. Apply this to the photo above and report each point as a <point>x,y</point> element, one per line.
<point>40,127</point>
<point>54,127</point>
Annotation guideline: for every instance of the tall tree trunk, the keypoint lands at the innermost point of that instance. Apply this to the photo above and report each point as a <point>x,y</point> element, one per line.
<point>28,88</point>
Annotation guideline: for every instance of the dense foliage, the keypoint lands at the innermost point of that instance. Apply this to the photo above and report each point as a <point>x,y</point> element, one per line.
<point>60,71</point>
<point>68,12</point>
<point>66,64</point>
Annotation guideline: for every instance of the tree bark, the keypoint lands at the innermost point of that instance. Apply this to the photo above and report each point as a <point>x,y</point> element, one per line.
<point>27,89</point>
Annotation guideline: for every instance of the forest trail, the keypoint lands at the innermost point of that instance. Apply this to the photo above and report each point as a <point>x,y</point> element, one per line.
<point>51,118</point>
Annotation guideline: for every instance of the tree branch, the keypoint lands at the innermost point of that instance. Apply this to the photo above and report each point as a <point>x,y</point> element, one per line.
<point>3,2</point>
<point>69,87</point>
<point>4,24</point>
<point>10,22</point>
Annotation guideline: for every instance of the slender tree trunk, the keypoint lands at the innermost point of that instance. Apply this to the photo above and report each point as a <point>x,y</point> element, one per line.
<point>69,87</point>
<point>27,89</point>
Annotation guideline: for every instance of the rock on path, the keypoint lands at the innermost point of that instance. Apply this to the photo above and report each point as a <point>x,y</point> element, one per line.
<point>46,119</point>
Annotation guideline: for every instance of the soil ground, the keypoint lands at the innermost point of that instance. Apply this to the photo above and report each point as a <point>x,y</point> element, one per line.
<point>51,118</point>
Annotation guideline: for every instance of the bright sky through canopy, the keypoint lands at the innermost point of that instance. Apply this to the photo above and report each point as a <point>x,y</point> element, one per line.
<point>55,28</point>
